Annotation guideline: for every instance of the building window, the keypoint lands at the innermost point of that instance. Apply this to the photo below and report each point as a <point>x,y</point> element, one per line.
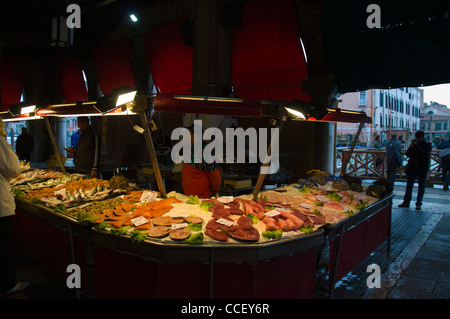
<point>363,98</point>
<point>445,126</point>
<point>438,126</point>
<point>381,99</point>
<point>381,120</point>
<point>422,126</point>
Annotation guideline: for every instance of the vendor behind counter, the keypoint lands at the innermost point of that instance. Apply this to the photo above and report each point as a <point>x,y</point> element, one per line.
<point>201,179</point>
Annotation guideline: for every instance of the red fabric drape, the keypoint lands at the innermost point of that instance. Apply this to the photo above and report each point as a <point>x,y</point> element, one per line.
<point>70,79</point>
<point>170,60</point>
<point>12,73</point>
<point>268,60</point>
<point>113,66</point>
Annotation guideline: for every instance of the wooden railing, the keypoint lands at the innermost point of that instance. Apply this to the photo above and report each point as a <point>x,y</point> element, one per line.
<point>362,163</point>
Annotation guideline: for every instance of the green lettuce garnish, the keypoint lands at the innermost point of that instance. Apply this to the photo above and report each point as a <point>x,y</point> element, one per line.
<point>273,234</point>
<point>193,200</point>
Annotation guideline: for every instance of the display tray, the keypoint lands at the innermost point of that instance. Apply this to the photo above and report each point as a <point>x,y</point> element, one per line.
<point>299,217</point>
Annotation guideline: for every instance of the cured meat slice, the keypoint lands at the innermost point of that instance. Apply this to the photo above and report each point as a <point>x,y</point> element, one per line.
<point>166,221</point>
<point>158,231</point>
<point>282,225</point>
<point>333,204</point>
<point>290,225</point>
<point>297,221</point>
<point>270,223</point>
<point>213,225</point>
<point>244,221</point>
<point>145,226</point>
<point>221,213</point>
<point>194,219</point>
<point>216,234</point>
<point>245,234</point>
<point>180,234</point>
<point>235,210</point>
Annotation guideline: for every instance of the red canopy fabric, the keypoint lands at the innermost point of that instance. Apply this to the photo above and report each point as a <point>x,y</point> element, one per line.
<point>113,66</point>
<point>170,60</point>
<point>12,73</point>
<point>70,79</point>
<point>268,60</point>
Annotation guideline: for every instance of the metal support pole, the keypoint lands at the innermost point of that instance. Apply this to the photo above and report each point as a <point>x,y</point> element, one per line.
<point>141,105</point>
<point>55,147</point>
<point>336,262</point>
<point>262,176</point>
<point>347,159</point>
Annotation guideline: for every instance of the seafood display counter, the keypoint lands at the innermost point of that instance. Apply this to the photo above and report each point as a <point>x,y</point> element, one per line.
<point>133,244</point>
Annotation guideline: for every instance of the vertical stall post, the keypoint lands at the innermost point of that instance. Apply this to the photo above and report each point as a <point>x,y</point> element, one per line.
<point>55,147</point>
<point>262,176</point>
<point>347,159</point>
<point>141,105</point>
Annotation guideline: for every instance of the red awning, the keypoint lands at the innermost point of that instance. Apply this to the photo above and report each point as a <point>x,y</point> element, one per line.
<point>113,66</point>
<point>70,79</point>
<point>268,60</point>
<point>12,73</point>
<point>170,60</point>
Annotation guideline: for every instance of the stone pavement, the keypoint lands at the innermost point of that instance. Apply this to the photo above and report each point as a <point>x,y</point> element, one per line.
<point>419,264</point>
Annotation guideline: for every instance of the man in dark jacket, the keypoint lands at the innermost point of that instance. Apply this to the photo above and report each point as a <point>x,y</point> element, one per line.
<point>418,165</point>
<point>87,151</point>
<point>24,145</point>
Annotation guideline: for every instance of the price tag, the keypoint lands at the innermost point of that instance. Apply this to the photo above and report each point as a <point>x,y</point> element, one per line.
<point>282,209</point>
<point>272,213</point>
<point>148,196</point>
<point>180,225</point>
<point>179,215</point>
<point>138,221</point>
<point>225,199</point>
<point>225,222</point>
<point>61,192</point>
<point>306,205</point>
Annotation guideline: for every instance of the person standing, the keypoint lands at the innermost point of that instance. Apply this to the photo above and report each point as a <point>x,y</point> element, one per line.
<point>393,158</point>
<point>444,155</point>
<point>418,165</point>
<point>9,168</point>
<point>377,144</point>
<point>24,145</point>
<point>402,141</point>
<point>87,151</point>
<point>197,176</point>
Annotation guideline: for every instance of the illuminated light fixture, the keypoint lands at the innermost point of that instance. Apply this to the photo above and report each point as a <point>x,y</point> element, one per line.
<point>133,18</point>
<point>295,113</point>
<point>119,97</point>
<point>125,98</point>
<point>21,109</point>
<point>28,109</point>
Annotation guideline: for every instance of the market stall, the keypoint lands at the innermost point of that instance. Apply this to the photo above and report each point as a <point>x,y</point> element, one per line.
<point>281,233</point>
<point>137,243</point>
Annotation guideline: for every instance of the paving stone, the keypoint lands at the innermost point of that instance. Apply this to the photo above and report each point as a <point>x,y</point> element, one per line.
<point>414,283</point>
<point>434,252</point>
<point>429,269</point>
<point>443,289</point>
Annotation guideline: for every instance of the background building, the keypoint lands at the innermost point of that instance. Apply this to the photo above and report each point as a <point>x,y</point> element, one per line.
<point>435,121</point>
<point>392,111</point>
